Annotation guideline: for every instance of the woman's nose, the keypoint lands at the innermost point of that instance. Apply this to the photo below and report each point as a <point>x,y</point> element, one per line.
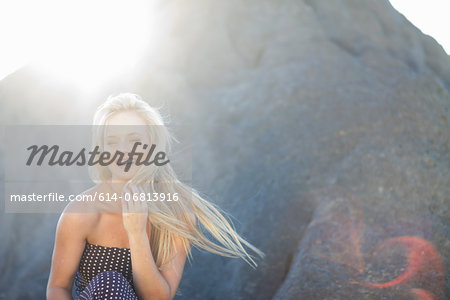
<point>124,147</point>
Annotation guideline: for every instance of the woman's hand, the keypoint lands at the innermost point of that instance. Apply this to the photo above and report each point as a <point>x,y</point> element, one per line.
<point>135,210</point>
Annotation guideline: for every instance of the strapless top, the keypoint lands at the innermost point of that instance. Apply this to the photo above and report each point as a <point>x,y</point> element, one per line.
<point>96,259</point>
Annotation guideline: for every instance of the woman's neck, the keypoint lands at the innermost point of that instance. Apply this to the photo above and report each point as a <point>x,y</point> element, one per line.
<point>117,185</point>
<point>113,201</point>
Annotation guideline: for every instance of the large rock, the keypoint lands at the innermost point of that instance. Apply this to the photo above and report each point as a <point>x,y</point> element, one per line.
<point>321,126</point>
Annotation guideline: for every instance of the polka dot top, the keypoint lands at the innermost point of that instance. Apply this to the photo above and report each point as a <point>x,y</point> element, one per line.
<point>96,259</point>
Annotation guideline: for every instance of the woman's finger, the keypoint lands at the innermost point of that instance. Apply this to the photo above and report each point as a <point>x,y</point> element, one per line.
<point>134,197</point>
<point>139,203</point>
<point>144,204</point>
<point>125,207</point>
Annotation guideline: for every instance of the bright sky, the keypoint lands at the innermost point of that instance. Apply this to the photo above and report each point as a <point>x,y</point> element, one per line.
<point>88,41</point>
<point>85,42</point>
<point>430,16</point>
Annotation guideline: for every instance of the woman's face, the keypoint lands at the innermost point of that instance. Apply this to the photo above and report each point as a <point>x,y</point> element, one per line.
<point>122,131</point>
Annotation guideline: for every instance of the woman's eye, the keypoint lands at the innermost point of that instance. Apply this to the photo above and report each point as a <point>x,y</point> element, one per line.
<point>114,143</point>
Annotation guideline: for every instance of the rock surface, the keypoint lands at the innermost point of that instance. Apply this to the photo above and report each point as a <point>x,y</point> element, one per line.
<point>321,126</point>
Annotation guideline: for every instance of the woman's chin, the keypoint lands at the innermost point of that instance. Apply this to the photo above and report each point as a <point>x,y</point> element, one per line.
<point>119,172</point>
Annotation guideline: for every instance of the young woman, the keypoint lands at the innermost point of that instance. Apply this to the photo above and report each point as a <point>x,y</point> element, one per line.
<point>127,249</point>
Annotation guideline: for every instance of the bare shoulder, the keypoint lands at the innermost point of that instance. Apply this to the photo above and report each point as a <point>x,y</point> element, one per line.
<point>72,229</point>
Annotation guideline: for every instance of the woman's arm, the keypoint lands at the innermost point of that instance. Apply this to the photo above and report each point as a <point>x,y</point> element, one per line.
<point>149,281</point>
<point>57,292</point>
<point>68,248</point>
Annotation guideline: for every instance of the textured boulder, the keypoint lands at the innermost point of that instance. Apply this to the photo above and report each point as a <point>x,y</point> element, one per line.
<point>321,126</point>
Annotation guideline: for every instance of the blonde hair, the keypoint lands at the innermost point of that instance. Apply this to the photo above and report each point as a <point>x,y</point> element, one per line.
<point>170,219</point>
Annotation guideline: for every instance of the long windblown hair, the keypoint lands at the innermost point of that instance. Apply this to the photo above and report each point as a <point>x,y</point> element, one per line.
<point>174,218</point>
